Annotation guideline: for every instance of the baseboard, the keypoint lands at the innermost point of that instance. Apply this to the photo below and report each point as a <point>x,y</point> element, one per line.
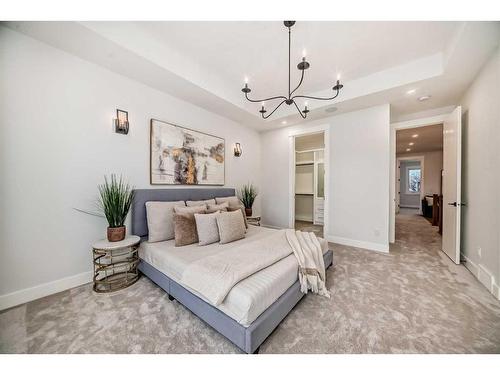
<point>361,244</point>
<point>25,295</point>
<point>304,218</point>
<point>482,275</point>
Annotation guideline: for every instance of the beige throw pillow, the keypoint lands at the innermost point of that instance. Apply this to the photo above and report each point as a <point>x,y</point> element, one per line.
<point>231,226</point>
<point>206,227</point>
<point>242,209</point>
<point>190,210</point>
<point>160,219</point>
<point>185,229</point>
<point>217,207</point>
<point>200,203</point>
<point>232,201</point>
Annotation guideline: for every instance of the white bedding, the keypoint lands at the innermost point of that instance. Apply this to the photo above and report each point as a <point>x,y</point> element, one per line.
<point>247,299</point>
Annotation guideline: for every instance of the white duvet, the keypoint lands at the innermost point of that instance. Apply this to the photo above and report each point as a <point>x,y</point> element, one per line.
<point>247,299</point>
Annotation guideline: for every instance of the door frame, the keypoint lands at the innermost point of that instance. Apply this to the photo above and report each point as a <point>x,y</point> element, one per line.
<point>325,129</point>
<point>421,159</point>
<point>418,123</point>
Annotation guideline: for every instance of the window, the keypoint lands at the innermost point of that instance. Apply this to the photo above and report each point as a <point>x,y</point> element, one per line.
<point>413,180</point>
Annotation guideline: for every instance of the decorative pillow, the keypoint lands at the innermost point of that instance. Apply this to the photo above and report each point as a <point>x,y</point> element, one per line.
<point>206,227</point>
<point>160,218</point>
<point>242,208</point>
<point>200,203</point>
<point>190,210</point>
<point>232,201</point>
<point>217,207</point>
<point>185,229</point>
<point>231,226</point>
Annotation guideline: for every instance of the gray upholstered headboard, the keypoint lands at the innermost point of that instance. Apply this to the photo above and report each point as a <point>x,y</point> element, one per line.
<point>141,196</point>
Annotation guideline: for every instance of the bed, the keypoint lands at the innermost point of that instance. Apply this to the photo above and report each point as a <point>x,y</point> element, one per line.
<point>253,308</point>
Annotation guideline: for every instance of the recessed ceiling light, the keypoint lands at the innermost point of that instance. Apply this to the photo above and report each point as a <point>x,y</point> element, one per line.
<point>411,92</point>
<point>283,122</point>
<point>411,144</point>
<point>424,98</point>
<point>408,149</point>
<point>414,136</point>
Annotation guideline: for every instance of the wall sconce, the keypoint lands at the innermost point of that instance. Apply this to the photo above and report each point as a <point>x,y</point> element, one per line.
<point>121,122</point>
<point>237,150</point>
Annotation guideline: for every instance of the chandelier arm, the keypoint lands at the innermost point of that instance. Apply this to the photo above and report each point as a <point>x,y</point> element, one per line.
<point>315,97</point>
<point>303,115</point>
<point>274,110</point>
<point>300,83</point>
<point>264,100</point>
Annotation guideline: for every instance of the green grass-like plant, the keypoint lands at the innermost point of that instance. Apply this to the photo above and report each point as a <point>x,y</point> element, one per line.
<point>115,200</point>
<point>247,195</point>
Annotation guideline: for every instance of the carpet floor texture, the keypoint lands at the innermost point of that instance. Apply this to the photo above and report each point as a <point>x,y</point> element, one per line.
<point>411,300</point>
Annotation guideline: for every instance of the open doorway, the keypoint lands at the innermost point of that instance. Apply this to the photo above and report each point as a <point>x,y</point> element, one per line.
<point>419,164</point>
<point>309,197</point>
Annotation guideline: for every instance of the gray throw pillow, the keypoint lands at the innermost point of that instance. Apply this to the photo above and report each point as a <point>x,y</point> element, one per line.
<point>232,201</point>
<point>217,207</point>
<point>231,226</point>
<point>200,203</point>
<point>206,227</point>
<point>160,219</point>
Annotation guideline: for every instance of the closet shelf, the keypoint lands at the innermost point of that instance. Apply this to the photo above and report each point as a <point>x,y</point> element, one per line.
<point>304,163</point>
<point>308,194</point>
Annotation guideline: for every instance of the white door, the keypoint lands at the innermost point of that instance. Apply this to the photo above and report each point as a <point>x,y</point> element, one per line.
<point>452,166</point>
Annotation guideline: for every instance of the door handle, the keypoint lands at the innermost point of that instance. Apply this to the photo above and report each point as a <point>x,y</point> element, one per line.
<point>454,204</point>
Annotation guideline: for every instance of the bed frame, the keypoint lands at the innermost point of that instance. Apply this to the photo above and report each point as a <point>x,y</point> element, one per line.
<point>248,338</point>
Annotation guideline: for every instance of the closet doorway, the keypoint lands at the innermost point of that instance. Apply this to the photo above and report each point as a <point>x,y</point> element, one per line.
<point>309,194</point>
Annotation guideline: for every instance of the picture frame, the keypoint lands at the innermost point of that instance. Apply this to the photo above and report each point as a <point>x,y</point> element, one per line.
<point>184,156</point>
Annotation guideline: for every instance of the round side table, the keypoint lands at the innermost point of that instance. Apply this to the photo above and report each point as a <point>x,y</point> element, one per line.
<point>115,264</point>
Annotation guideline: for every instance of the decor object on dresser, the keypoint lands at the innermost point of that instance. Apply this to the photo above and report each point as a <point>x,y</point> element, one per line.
<point>115,199</point>
<point>247,195</point>
<point>121,122</point>
<point>181,156</point>
<point>115,264</point>
<point>288,99</point>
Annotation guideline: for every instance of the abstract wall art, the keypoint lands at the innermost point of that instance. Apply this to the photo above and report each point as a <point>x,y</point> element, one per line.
<point>181,156</point>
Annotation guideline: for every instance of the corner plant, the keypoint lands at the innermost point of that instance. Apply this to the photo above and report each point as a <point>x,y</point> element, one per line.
<point>115,200</point>
<point>247,194</point>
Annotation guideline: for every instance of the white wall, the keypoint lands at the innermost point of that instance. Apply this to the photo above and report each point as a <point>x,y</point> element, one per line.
<point>359,177</point>
<point>480,175</point>
<point>407,199</point>
<point>56,143</point>
<point>433,165</point>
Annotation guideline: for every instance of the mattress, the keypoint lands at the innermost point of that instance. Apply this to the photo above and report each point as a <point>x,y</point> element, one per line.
<point>247,299</point>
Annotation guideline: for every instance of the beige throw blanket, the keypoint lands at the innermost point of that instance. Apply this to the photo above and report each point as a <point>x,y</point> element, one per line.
<point>307,250</point>
<point>213,277</point>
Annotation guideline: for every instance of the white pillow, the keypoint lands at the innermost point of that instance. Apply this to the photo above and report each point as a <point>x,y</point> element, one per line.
<point>206,226</point>
<point>231,226</point>
<point>160,218</point>
<point>232,201</point>
<point>200,203</point>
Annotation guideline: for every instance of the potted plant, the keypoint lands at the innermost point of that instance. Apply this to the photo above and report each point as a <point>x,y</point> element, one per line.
<point>248,193</point>
<point>115,200</point>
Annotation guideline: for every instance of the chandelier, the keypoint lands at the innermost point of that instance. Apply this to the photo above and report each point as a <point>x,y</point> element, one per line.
<point>289,100</point>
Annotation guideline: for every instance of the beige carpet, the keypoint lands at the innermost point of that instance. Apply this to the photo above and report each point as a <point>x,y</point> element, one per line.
<point>413,300</point>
